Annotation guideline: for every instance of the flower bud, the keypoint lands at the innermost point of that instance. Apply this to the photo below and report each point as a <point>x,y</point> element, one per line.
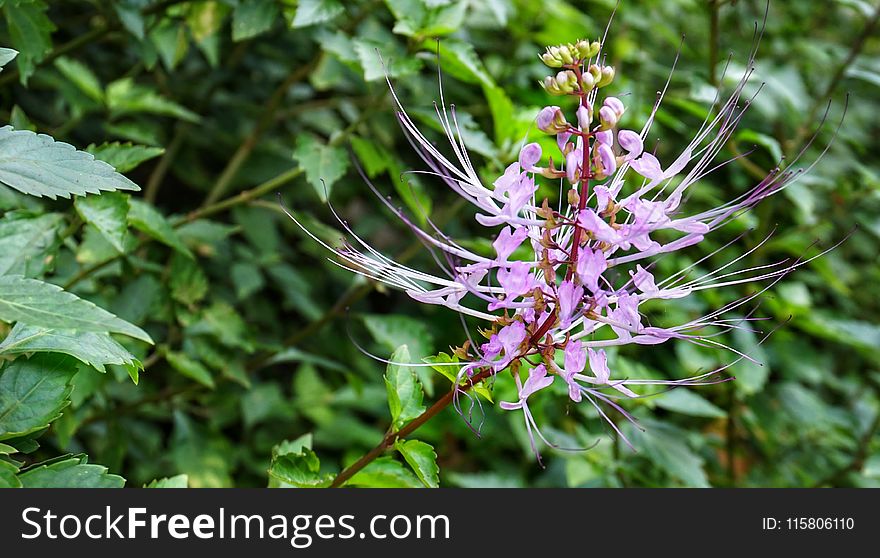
<point>583,49</point>
<point>595,47</point>
<point>616,105</point>
<point>607,76</point>
<point>587,82</point>
<point>565,55</point>
<point>607,118</point>
<point>595,72</point>
<point>584,117</point>
<point>550,61</point>
<point>551,120</point>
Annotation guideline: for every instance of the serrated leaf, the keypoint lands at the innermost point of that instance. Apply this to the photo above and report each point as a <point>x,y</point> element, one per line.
<point>94,349</point>
<point>72,472</point>
<point>109,214</point>
<point>323,164</point>
<point>404,389</point>
<point>253,18</point>
<point>177,481</point>
<point>298,470</point>
<point>38,165</point>
<point>311,12</point>
<point>190,368</point>
<point>25,243</point>
<point>33,392</point>
<point>385,472</point>
<point>41,304</point>
<point>30,32</point>
<point>124,96</point>
<point>188,282</point>
<point>82,77</point>
<point>148,220</point>
<point>124,156</point>
<point>423,460</point>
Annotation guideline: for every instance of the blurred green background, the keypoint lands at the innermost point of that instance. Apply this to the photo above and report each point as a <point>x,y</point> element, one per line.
<point>233,101</point>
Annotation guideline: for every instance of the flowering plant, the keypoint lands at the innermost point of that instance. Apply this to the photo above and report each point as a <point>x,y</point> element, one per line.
<point>565,271</point>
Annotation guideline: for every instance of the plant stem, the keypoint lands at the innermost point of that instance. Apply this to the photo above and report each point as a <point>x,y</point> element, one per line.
<point>411,427</point>
<point>714,40</point>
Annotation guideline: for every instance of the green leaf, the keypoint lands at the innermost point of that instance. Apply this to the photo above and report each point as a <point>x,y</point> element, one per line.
<point>40,304</point>
<point>688,403</point>
<point>750,376</point>
<point>36,164</point>
<point>7,55</point>
<point>310,12</point>
<point>666,447</point>
<point>25,243</point>
<point>448,367</point>
<point>393,330</point>
<point>372,156</point>
<point>295,465</point>
<point>368,52</point>
<point>109,214</point>
<point>459,59</point>
<point>177,481</point>
<point>385,472</point>
<point>71,472</point>
<point>202,454</point>
<point>404,389</point>
<point>190,368</point>
<point>769,143</point>
<point>416,18</point>
<point>94,349</point>
<point>82,77</point>
<point>253,18</point>
<point>147,219</point>
<point>323,164</point>
<point>30,31</point>
<point>32,393</point>
<point>124,96</point>
<point>124,156</point>
<point>8,477</point>
<point>423,460</point>
<point>188,282</point>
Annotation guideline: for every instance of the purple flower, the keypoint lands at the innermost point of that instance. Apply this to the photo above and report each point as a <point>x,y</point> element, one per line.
<point>631,142</point>
<point>590,267</point>
<point>507,242</point>
<point>538,380</point>
<point>568,297</point>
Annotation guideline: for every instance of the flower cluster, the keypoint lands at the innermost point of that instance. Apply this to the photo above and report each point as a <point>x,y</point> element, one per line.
<point>562,271</point>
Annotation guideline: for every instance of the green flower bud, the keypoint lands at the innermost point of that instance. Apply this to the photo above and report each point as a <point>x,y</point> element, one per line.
<point>607,76</point>
<point>596,72</point>
<point>583,49</point>
<point>550,61</point>
<point>565,55</point>
<point>595,47</point>
<point>587,82</point>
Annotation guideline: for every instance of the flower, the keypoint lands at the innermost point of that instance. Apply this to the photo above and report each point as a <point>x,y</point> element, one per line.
<point>573,282</point>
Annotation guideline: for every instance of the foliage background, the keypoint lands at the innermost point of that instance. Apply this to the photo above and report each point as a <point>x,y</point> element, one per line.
<point>224,103</point>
